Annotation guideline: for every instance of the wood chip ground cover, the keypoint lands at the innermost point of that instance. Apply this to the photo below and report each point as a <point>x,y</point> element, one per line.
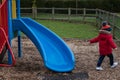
<point>30,66</point>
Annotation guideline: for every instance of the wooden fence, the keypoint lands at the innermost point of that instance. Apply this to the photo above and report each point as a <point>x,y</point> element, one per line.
<point>68,14</point>
<point>94,16</point>
<point>112,18</point>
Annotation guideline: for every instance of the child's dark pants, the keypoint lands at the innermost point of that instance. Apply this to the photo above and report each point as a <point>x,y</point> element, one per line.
<point>101,58</point>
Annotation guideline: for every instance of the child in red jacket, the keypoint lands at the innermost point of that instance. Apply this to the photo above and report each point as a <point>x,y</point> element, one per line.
<point>106,44</point>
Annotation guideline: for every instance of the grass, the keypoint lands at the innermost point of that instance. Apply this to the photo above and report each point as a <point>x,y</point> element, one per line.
<point>63,17</point>
<point>70,30</point>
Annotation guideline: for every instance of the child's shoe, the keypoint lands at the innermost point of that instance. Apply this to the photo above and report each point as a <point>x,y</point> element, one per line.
<point>99,68</point>
<point>114,64</point>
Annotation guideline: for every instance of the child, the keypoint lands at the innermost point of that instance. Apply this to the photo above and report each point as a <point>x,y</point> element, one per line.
<point>106,44</point>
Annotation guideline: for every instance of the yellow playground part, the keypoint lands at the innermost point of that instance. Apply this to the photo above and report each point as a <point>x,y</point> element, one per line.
<point>13,8</point>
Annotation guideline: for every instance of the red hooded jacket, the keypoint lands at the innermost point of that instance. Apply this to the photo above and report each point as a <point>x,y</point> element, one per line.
<point>106,43</point>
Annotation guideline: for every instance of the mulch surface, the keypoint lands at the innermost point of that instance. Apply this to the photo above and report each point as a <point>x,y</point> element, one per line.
<point>31,67</point>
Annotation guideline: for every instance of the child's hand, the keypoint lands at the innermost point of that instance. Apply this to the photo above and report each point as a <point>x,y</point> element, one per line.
<point>88,42</point>
<point>115,49</point>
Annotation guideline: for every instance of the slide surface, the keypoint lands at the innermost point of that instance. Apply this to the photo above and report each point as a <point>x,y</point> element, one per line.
<point>56,55</point>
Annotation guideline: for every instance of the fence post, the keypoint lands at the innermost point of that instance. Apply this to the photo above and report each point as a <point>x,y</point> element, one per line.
<point>53,12</point>
<point>69,13</point>
<point>84,13</point>
<point>34,12</point>
<point>34,9</point>
<point>107,16</point>
<point>100,18</point>
<point>97,16</point>
<point>113,21</point>
<point>113,25</point>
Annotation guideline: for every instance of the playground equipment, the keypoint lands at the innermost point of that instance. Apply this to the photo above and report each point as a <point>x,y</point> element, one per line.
<point>4,43</point>
<point>57,56</point>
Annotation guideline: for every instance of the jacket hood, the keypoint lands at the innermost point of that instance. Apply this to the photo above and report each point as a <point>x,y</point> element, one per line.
<point>104,32</point>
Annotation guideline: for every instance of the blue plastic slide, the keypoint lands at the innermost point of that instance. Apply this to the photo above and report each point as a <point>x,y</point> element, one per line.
<point>56,55</point>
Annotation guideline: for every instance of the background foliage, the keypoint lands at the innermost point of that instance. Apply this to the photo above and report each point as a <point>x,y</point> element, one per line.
<point>110,5</point>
